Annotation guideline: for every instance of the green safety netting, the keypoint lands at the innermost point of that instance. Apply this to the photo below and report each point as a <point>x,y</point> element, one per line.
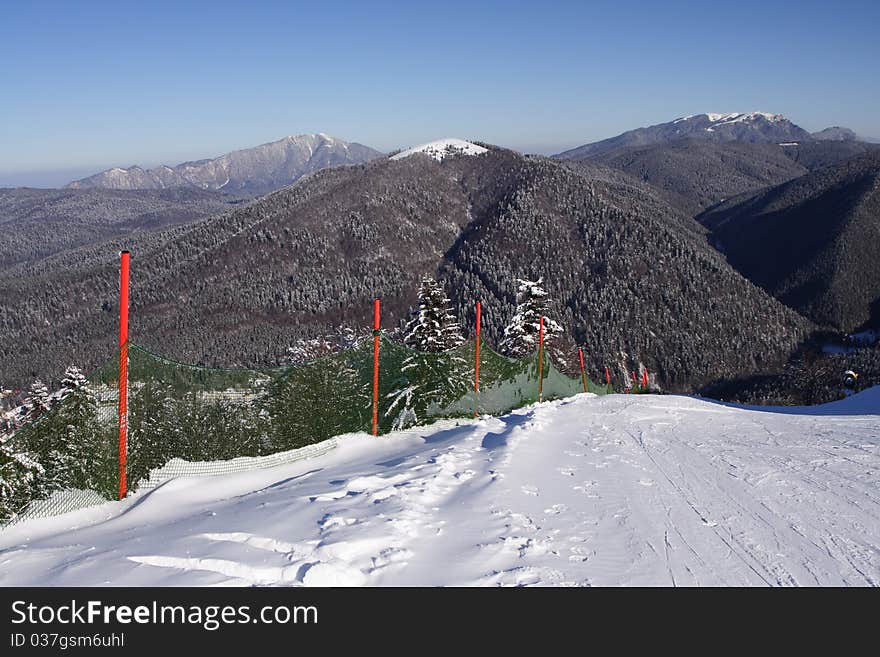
<point>202,416</point>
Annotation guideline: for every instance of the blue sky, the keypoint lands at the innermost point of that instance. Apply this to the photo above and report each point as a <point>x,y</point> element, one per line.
<point>87,85</point>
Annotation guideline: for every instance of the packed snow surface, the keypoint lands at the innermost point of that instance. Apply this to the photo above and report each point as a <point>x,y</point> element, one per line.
<point>442,148</point>
<point>615,490</point>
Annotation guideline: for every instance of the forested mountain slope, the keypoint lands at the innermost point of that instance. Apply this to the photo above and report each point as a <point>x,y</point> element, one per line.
<point>630,277</point>
<point>36,223</point>
<point>695,174</point>
<point>814,242</point>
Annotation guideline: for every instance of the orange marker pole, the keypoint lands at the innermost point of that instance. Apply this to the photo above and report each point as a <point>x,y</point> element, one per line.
<point>376,368</point>
<point>541,359</point>
<point>477,361</point>
<point>583,371</point>
<point>123,371</point>
<point>607,376</point>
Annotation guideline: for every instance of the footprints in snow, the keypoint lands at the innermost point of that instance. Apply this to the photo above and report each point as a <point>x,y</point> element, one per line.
<point>587,489</point>
<point>556,509</point>
<point>343,555</point>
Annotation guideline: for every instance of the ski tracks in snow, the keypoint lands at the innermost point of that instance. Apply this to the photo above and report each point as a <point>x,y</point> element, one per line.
<point>619,490</point>
<point>784,510</point>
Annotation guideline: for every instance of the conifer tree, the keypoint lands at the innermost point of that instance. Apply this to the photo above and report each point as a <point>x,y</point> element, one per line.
<point>38,401</point>
<point>153,437</point>
<point>436,376</point>
<point>73,381</point>
<point>17,474</point>
<point>87,454</point>
<point>65,437</point>
<point>521,334</point>
<point>434,327</point>
<point>308,349</point>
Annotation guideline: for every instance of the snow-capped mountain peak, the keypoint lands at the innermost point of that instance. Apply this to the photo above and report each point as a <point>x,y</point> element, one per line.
<point>442,148</point>
<point>750,127</point>
<point>254,170</point>
<point>734,117</point>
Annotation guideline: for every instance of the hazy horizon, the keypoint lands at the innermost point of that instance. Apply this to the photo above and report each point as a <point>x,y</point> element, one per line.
<point>101,85</point>
<point>55,178</point>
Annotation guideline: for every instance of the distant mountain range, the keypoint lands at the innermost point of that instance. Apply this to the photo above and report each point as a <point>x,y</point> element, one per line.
<point>835,133</point>
<point>251,171</point>
<point>747,127</point>
<point>697,161</point>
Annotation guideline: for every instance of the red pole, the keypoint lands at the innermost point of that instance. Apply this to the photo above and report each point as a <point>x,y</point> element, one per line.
<point>477,352</point>
<point>541,359</point>
<point>477,360</point>
<point>376,368</point>
<point>583,371</point>
<point>123,371</point>
<point>607,376</point>
<point>645,378</point>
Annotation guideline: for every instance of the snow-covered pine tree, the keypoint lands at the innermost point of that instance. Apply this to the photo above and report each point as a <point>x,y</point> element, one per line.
<point>87,456</point>
<point>306,350</point>
<point>521,334</point>
<point>38,401</point>
<point>154,437</point>
<point>436,375</point>
<point>38,439</point>
<point>22,477</point>
<point>434,327</point>
<point>17,474</point>
<point>73,380</point>
<point>65,436</point>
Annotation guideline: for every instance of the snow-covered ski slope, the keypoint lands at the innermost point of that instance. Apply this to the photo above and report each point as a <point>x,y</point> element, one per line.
<point>615,490</point>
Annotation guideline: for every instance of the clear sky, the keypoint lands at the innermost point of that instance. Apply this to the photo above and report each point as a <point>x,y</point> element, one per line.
<point>88,85</point>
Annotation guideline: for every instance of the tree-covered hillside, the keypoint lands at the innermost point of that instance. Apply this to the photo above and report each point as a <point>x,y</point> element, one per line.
<point>630,277</point>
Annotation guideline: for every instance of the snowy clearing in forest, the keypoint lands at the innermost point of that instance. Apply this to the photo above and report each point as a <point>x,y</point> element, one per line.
<point>614,490</point>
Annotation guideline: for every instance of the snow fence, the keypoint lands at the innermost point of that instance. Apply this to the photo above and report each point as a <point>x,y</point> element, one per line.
<point>179,413</point>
